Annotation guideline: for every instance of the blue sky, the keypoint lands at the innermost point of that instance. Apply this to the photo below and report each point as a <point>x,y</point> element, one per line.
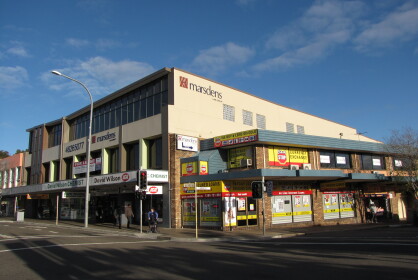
<point>352,62</point>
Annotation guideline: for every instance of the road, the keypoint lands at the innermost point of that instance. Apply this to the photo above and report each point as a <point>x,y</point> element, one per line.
<point>49,252</point>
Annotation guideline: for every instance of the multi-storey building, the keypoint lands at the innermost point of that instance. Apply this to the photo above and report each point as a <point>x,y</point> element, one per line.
<point>183,129</point>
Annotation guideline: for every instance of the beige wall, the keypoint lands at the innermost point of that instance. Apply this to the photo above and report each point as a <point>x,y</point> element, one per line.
<point>201,115</point>
<point>51,154</point>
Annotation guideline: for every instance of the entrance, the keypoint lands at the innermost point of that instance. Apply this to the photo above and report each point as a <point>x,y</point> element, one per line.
<point>246,211</point>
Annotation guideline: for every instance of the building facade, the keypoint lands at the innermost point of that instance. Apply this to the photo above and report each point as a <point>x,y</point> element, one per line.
<point>171,123</point>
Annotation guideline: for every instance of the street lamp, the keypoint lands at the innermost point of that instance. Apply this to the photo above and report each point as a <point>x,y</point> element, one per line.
<point>86,207</point>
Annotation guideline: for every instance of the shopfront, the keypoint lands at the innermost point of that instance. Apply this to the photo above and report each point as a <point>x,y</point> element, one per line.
<point>219,204</point>
<point>291,204</point>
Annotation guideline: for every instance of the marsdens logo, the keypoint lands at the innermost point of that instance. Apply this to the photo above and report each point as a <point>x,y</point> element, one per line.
<point>184,82</point>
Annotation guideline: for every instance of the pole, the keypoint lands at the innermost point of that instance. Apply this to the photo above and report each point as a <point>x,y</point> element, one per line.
<point>87,197</point>
<point>262,199</point>
<point>195,207</point>
<point>140,214</point>
<point>56,218</point>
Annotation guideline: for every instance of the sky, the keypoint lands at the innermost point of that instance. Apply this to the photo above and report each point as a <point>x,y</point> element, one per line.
<point>351,62</point>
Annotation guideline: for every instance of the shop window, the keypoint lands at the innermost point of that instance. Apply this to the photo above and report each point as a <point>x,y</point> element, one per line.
<point>238,157</point>
<point>372,162</point>
<point>331,159</point>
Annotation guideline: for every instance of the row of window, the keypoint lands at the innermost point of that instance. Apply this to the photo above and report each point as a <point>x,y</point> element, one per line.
<point>247,117</point>
<point>138,104</point>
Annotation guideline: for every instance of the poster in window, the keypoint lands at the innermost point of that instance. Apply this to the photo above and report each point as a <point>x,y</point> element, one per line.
<point>341,160</point>
<point>252,207</point>
<point>241,203</point>
<point>298,201</point>
<point>327,200</point>
<point>324,159</point>
<point>279,205</point>
<point>334,198</point>
<point>376,162</point>
<point>230,215</point>
<point>306,201</point>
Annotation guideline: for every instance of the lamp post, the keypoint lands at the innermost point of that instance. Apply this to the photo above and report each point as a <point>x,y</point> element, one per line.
<point>86,207</point>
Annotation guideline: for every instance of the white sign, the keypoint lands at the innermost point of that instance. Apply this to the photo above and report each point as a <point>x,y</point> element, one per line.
<point>203,188</point>
<point>324,159</point>
<point>81,166</point>
<point>155,190</point>
<point>376,162</point>
<point>160,176</point>
<point>187,143</point>
<point>341,160</point>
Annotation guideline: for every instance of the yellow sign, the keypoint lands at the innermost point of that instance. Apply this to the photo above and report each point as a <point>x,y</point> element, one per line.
<point>236,138</point>
<point>284,156</point>
<point>209,187</point>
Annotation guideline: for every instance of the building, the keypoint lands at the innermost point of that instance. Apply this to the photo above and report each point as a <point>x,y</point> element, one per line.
<point>11,176</point>
<point>182,129</point>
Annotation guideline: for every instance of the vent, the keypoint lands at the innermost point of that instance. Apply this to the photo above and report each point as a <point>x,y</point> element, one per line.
<point>294,167</point>
<point>246,162</point>
<point>307,166</point>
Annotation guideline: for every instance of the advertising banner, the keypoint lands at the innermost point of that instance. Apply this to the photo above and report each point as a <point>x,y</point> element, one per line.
<point>284,156</point>
<point>81,166</point>
<point>187,143</point>
<point>236,138</point>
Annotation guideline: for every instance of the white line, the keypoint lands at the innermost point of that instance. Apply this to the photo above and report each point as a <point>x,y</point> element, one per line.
<point>68,245</point>
<point>54,236</point>
<point>338,243</point>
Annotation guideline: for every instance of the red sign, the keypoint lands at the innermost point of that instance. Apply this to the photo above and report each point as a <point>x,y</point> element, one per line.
<point>153,190</point>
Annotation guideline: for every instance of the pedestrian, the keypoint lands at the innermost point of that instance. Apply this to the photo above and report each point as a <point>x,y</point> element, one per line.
<point>116,214</point>
<point>129,214</point>
<point>373,211</point>
<point>153,220</point>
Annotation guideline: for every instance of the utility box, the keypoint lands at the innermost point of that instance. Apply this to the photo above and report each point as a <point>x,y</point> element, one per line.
<point>20,216</point>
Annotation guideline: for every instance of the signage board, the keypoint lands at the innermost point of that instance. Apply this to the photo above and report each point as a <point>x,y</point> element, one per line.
<point>81,166</point>
<point>187,143</point>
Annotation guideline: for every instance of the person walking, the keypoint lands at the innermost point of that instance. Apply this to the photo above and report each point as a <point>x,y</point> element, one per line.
<point>117,214</point>
<point>153,220</point>
<point>129,214</point>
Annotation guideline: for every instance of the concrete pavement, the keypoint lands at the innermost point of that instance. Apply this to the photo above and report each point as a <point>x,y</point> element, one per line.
<point>203,235</point>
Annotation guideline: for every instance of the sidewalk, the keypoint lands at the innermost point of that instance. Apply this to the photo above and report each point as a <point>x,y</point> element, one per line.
<point>203,235</point>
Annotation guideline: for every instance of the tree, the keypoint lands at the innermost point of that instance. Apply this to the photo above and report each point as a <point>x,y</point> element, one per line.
<point>18,151</point>
<point>4,154</point>
<point>403,147</point>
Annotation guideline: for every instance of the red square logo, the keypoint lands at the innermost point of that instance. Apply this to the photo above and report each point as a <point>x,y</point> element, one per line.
<point>184,82</point>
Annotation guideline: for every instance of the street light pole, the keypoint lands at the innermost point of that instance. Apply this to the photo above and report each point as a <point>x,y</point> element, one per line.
<point>86,206</point>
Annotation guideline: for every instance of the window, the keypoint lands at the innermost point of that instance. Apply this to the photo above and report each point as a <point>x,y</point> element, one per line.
<point>261,121</point>
<point>132,156</point>
<point>113,160</point>
<point>155,153</point>
<point>300,129</point>
<point>290,127</point>
<point>54,135</point>
<point>229,113</point>
<point>331,159</point>
<point>247,117</point>
<point>372,162</point>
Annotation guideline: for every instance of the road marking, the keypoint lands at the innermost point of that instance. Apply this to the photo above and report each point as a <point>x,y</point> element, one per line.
<point>53,231</point>
<point>5,236</point>
<point>57,236</point>
<point>70,245</point>
<point>337,243</point>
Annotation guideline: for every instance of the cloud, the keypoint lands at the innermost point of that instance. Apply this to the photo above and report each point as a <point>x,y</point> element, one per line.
<point>101,75</point>
<point>78,43</point>
<point>398,26</point>
<point>12,77</point>
<point>217,59</point>
<point>325,25</point>
<point>14,48</point>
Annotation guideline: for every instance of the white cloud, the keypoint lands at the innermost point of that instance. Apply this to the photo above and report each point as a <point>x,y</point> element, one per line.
<point>12,77</point>
<point>101,75</point>
<point>325,25</point>
<point>18,51</point>
<point>398,26</point>
<point>78,43</point>
<point>217,59</point>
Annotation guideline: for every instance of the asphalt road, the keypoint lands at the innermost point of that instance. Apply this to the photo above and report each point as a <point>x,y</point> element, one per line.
<point>49,252</point>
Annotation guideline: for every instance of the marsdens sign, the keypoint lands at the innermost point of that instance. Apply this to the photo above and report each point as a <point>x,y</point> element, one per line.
<point>184,82</point>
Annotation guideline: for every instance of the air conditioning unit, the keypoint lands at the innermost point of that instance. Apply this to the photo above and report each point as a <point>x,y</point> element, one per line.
<point>294,167</point>
<point>246,162</point>
<point>307,166</point>
<point>375,172</point>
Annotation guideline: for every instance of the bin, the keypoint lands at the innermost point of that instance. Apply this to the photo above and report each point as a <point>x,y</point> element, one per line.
<point>20,216</point>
